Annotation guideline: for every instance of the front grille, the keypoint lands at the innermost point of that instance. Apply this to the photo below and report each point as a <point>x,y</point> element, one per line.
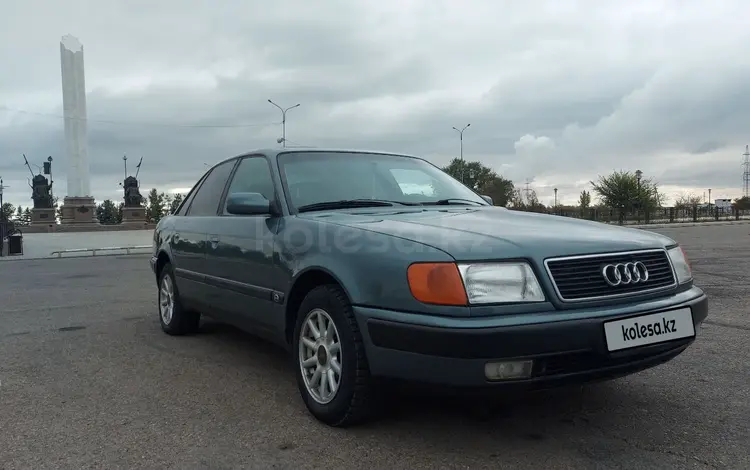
<point>580,278</point>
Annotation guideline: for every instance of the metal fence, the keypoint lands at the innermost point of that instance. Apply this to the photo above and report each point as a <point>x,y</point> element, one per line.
<point>139,249</point>
<point>661,215</point>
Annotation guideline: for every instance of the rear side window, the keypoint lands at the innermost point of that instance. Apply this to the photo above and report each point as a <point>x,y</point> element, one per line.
<point>183,208</point>
<point>206,199</point>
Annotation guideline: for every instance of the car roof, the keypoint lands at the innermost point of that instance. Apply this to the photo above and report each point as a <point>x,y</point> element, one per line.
<point>275,152</point>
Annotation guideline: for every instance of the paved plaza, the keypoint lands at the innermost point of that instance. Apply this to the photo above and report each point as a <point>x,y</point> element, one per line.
<point>88,380</point>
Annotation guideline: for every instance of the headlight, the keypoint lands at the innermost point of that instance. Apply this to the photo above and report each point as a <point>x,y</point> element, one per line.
<point>681,266</point>
<point>488,283</point>
<point>467,284</point>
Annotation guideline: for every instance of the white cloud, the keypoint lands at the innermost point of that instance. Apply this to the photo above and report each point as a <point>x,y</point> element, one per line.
<point>559,91</point>
<point>529,144</point>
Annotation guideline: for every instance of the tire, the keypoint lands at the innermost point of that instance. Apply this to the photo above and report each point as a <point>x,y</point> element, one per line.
<point>354,399</point>
<point>179,321</point>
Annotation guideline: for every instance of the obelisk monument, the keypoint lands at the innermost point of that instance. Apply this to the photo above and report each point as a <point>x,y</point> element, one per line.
<point>78,206</point>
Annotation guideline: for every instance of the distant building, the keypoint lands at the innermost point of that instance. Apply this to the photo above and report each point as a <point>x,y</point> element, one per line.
<point>723,204</point>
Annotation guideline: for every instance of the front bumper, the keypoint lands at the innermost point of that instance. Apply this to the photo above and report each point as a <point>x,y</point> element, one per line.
<point>568,347</point>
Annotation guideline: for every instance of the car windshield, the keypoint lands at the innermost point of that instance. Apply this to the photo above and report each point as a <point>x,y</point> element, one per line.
<point>324,177</point>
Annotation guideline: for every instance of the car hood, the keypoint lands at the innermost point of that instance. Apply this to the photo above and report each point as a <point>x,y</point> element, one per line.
<point>481,233</point>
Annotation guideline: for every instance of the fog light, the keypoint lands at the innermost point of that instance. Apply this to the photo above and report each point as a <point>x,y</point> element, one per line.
<point>508,370</point>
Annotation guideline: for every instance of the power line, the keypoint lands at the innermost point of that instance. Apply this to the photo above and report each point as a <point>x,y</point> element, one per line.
<point>144,123</point>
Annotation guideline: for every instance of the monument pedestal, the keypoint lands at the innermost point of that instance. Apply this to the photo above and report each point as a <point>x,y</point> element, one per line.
<point>134,215</point>
<point>78,210</point>
<point>43,216</point>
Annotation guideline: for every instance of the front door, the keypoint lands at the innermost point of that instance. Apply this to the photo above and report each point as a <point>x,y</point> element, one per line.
<point>240,254</point>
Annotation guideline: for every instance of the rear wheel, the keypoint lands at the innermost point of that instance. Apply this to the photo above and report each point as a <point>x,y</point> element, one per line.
<point>330,363</point>
<point>174,318</point>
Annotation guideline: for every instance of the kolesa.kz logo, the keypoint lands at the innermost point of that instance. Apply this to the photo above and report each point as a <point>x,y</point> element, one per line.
<point>645,331</point>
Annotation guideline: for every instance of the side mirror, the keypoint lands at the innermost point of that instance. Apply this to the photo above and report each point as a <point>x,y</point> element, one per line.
<point>488,199</point>
<point>248,204</point>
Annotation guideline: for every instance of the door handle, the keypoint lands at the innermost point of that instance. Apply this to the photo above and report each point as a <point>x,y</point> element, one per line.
<point>214,239</point>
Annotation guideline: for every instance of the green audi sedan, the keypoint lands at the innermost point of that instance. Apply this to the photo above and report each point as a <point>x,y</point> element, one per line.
<point>368,266</point>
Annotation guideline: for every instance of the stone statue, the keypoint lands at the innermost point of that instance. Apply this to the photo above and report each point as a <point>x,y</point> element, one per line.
<point>41,187</point>
<point>130,186</point>
<point>133,196</point>
<point>41,192</point>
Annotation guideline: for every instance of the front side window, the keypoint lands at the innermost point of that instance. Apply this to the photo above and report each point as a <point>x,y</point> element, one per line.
<point>320,177</point>
<point>253,175</point>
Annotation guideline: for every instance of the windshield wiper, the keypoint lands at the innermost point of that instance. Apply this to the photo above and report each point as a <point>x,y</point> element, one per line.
<point>350,203</point>
<point>451,201</point>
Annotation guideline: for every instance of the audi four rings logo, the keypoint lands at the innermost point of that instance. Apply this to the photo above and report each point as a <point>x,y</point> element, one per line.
<point>623,274</point>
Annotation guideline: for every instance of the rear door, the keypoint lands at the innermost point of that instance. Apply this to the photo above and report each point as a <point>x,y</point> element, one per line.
<point>190,235</point>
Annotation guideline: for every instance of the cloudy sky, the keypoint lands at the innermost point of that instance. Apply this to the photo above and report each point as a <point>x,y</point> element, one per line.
<point>558,91</point>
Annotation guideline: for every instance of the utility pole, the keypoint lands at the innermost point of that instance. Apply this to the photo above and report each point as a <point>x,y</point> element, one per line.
<point>283,120</point>
<point>528,189</point>
<point>746,173</point>
<point>461,139</point>
<point>1,194</point>
<point>2,186</point>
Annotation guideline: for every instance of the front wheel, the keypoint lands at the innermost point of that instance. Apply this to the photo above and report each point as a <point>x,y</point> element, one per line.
<point>331,366</point>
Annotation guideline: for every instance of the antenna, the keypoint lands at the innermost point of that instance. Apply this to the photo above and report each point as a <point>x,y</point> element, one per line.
<point>746,173</point>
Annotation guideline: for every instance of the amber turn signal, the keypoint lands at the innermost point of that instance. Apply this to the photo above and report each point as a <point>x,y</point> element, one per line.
<point>437,283</point>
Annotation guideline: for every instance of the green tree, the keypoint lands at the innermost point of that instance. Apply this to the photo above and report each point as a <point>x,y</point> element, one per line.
<point>523,200</point>
<point>622,190</point>
<point>687,201</point>
<point>167,203</point>
<point>7,211</point>
<point>175,204</point>
<point>155,206</point>
<point>26,218</point>
<point>107,212</point>
<point>742,203</point>
<point>499,189</point>
<point>482,179</point>
<point>584,200</point>
<point>475,174</point>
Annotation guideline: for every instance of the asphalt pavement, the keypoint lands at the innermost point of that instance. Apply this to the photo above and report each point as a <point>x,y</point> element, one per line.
<point>88,380</point>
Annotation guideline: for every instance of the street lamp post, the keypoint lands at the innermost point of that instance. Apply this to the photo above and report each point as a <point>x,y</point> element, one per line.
<point>461,138</point>
<point>555,200</point>
<point>283,120</point>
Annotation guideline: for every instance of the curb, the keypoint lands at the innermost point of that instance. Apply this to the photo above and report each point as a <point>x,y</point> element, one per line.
<point>11,259</point>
